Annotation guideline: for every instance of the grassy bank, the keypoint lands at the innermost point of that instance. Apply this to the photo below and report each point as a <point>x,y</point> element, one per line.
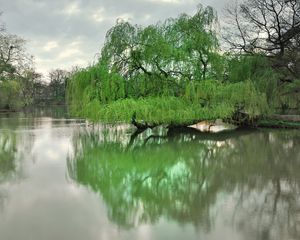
<point>273,123</point>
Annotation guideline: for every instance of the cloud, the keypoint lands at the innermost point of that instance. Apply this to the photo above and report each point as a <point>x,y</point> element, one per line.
<point>71,9</point>
<point>63,33</point>
<point>126,16</point>
<point>170,1</point>
<point>70,52</point>
<point>165,1</point>
<point>50,46</point>
<point>99,15</point>
<point>73,49</point>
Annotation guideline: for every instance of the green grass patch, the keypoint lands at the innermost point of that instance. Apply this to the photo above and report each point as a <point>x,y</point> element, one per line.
<point>270,123</point>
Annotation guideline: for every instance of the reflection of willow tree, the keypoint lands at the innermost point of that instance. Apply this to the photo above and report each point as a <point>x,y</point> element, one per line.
<point>7,154</point>
<point>7,158</point>
<point>179,176</point>
<point>264,172</point>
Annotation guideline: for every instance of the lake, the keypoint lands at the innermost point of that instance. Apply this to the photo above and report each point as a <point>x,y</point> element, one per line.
<point>63,178</point>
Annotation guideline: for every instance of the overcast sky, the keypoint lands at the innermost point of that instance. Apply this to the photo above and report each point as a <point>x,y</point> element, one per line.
<point>64,33</point>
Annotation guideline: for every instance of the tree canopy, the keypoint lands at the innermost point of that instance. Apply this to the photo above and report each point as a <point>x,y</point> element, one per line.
<point>20,84</point>
<point>18,77</point>
<point>173,72</point>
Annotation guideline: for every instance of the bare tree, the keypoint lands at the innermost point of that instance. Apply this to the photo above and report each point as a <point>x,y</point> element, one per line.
<point>269,27</point>
<point>14,59</point>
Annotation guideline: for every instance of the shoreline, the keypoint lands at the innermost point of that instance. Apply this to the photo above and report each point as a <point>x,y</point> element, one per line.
<point>277,121</point>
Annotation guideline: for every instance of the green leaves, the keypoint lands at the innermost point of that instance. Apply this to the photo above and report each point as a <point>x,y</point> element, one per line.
<point>152,110</point>
<point>10,95</point>
<point>242,96</point>
<point>168,73</point>
<point>183,47</point>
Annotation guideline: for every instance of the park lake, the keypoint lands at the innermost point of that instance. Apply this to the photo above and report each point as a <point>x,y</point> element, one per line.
<point>118,158</point>
<point>63,178</point>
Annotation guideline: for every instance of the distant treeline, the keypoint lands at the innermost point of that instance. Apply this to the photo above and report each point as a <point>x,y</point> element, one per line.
<point>20,84</point>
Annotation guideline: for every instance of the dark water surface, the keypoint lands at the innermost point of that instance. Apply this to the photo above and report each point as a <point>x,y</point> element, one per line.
<point>63,179</point>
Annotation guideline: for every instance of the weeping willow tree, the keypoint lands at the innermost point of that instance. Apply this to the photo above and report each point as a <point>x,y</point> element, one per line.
<point>168,73</point>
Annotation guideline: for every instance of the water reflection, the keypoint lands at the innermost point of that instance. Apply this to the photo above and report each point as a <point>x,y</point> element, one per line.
<point>36,200</point>
<point>247,180</point>
<point>156,185</point>
<point>7,153</point>
<point>8,166</point>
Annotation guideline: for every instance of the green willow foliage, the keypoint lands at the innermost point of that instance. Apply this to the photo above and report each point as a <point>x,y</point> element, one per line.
<point>94,83</point>
<point>289,97</point>
<point>257,69</point>
<point>168,73</point>
<point>8,142</point>
<point>10,97</point>
<point>155,110</point>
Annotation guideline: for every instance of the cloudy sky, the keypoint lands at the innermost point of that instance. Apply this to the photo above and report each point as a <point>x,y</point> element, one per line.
<point>64,33</point>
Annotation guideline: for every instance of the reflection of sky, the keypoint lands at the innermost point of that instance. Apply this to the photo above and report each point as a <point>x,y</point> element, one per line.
<point>45,204</point>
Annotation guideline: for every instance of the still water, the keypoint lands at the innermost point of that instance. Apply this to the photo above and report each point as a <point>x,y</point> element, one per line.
<point>62,178</point>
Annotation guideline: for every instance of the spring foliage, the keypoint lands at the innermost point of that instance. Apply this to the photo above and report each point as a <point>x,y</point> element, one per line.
<point>10,95</point>
<point>168,73</point>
